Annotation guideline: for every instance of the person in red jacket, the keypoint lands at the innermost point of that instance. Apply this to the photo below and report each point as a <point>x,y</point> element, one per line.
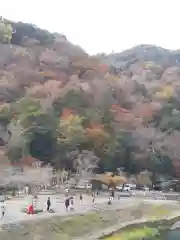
<point>30,209</point>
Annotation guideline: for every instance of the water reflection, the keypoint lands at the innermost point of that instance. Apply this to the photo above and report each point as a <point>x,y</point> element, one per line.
<point>173,234</point>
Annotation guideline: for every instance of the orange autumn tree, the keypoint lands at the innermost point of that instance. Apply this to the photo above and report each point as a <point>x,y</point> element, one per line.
<point>112,181</point>
<point>67,114</point>
<point>97,136</point>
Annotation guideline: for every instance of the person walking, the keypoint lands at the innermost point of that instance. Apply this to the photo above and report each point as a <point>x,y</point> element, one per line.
<point>112,194</point>
<point>26,190</point>
<point>34,202</point>
<point>48,204</point>
<point>67,203</point>
<point>81,198</point>
<point>93,197</point>
<point>109,201</point>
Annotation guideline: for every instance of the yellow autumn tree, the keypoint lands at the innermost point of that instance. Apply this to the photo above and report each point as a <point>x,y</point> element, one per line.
<point>165,92</point>
<point>110,180</point>
<point>71,130</point>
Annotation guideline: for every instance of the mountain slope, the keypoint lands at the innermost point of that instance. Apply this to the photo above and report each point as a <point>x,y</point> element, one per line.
<point>64,100</point>
<point>35,56</point>
<point>144,52</point>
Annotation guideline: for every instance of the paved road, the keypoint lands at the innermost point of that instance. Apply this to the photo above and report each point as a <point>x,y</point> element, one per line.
<point>13,207</point>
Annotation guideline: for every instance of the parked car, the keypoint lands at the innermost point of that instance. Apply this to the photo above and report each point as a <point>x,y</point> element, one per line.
<point>127,187</point>
<point>88,186</point>
<point>82,186</point>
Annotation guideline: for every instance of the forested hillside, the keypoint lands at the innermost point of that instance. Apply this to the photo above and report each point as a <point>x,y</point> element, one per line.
<point>58,104</point>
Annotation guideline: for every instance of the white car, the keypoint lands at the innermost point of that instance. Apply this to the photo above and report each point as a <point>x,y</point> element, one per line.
<point>88,186</point>
<point>146,188</point>
<point>127,187</point>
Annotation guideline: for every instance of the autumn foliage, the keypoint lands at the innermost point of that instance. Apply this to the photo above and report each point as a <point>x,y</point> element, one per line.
<point>124,117</point>
<point>112,181</point>
<point>97,136</point>
<point>67,113</point>
<point>66,101</point>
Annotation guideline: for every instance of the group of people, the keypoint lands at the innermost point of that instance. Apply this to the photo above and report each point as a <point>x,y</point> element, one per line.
<point>69,204</point>
<point>32,206</point>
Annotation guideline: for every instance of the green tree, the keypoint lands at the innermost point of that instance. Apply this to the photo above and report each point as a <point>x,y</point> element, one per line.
<point>120,154</point>
<point>75,100</point>
<point>17,145</point>
<point>40,128</point>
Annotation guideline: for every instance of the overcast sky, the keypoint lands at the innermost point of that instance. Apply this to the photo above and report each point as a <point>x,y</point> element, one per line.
<point>103,25</point>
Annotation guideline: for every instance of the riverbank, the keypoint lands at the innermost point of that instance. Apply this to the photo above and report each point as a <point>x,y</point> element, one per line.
<point>162,225</point>
<point>87,225</point>
<point>143,228</point>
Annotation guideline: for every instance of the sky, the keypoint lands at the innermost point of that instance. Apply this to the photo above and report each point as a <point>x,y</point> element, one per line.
<point>102,25</point>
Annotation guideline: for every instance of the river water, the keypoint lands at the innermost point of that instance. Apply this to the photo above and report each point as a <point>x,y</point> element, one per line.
<point>164,230</point>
